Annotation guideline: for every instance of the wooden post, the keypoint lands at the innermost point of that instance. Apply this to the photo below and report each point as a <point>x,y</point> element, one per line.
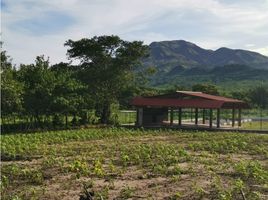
<point>233,117</point>
<point>137,117</point>
<point>180,116</point>
<point>210,118</point>
<point>196,116</point>
<point>140,115</point>
<point>239,117</point>
<point>204,116</point>
<point>66,120</point>
<point>218,118</point>
<point>171,116</point>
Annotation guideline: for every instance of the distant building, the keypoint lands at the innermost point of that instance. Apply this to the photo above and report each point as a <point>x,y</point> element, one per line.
<point>154,110</point>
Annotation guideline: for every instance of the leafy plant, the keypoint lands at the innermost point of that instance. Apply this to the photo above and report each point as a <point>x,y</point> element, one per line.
<point>79,167</point>
<point>251,171</point>
<point>98,168</point>
<point>126,192</point>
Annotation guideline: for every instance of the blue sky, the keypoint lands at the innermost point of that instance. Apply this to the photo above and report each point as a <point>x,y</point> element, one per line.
<point>35,27</point>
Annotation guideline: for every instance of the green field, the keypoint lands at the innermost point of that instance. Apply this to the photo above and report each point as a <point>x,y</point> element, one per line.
<point>113,163</point>
<point>257,125</point>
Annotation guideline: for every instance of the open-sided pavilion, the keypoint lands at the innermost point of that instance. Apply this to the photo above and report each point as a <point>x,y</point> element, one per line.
<point>154,110</point>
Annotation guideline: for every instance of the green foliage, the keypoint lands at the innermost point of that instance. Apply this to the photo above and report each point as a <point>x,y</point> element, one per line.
<point>98,168</point>
<point>105,76</point>
<point>38,83</point>
<point>126,192</point>
<point>206,88</point>
<point>11,89</point>
<point>57,120</point>
<point>251,171</point>
<point>69,94</point>
<point>4,182</point>
<point>79,167</point>
<point>259,96</point>
<point>107,67</point>
<point>176,196</point>
<point>13,171</point>
<point>241,95</point>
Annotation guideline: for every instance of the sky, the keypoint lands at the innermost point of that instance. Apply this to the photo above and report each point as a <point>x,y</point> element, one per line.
<point>40,27</point>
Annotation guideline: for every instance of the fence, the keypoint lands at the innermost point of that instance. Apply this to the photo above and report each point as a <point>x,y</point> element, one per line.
<point>251,118</point>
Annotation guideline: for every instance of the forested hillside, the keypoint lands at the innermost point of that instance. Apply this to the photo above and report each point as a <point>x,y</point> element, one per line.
<point>183,63</point>
<point>182,53</point>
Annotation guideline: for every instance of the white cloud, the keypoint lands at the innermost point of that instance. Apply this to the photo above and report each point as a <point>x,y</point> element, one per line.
<point>209,23</point>
<point>249,45</point>
<point>263,50</point>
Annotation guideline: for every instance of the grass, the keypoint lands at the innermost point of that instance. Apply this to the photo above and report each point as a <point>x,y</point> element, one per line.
<point>255,125</point>
<point>115,163</point>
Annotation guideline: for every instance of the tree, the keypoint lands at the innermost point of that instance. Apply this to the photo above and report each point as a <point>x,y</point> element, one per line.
<point>107,68</point>
<point>68,96</point>
<point>139,86</point>
<point>39,83</point>
<point>11,88</point>
<point>259,98</point>
<point>206,88</point>
<point>241,95</point>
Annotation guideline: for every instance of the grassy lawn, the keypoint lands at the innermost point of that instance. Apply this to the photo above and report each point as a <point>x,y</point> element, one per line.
<point>137,164</point>
<point>255,125</point>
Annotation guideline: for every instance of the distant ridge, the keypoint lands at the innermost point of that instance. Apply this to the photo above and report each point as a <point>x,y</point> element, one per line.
<point>187,54</point>
<point>180,62</point>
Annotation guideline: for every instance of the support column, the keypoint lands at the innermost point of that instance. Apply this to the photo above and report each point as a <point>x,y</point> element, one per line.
<point>239,117</point>
<point>137,117</point>
<point>210,118</point>
<point>180,116</point>
<point>218,118</point>
<point>204,117</point>
<point>171,116</point>
<point>233,117</point>
<point>196,116</point>
<point>140,116</point>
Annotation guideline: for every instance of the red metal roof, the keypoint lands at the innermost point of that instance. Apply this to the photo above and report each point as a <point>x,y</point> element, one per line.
<point>183,103</point>
<point>208,96</point>
<point>200,100</point>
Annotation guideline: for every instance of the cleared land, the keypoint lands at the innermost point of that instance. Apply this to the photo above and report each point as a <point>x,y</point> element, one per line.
<point>138,164</point>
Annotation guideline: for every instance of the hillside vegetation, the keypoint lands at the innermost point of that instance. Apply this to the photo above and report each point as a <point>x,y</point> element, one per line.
<point>183,63</point>
<point>180,52</point>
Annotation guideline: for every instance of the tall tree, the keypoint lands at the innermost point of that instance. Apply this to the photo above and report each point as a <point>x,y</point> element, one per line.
<point>11,89</point>
<point>69,96</point>
<point>39,83</point>
<point>259,98</point>
<point>107,66</point>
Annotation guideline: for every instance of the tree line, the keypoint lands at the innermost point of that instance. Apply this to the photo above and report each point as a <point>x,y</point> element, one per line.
<point>109,73</point>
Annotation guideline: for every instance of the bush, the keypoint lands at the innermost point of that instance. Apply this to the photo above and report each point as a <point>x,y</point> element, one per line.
<point>57,120</point>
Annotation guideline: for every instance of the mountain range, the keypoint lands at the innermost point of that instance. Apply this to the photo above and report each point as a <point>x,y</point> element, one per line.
<point>179,62</point>
<point>187,54</point>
